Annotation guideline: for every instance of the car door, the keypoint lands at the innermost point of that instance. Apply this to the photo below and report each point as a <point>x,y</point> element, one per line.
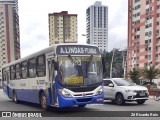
<point>108,91</point>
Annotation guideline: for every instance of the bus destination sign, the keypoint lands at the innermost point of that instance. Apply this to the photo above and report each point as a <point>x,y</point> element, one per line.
<point>77,50</point>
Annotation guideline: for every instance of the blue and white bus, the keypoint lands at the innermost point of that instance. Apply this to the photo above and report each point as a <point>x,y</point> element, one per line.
<point>61,75</point>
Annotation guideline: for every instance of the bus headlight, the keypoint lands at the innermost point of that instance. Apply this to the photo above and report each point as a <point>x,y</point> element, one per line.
<point>99,91</point>
<point>64,93</point>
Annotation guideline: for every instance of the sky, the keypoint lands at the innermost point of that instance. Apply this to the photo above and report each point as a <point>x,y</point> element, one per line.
<point>34,27</point>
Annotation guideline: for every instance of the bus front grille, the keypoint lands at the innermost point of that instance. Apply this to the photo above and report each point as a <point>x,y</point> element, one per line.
<point>80,95</point>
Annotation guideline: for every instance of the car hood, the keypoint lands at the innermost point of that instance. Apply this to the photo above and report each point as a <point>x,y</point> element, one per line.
<point>136,87</point>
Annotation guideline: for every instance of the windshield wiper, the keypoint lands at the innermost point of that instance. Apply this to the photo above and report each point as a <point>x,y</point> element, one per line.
<point>77,65</point>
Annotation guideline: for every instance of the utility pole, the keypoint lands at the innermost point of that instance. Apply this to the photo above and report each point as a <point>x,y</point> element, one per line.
<point>112,63</point>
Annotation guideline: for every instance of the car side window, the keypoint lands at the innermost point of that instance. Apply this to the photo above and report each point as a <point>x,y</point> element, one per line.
<point>107,82</point>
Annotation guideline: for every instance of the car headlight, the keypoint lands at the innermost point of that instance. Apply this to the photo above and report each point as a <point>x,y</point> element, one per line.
<point>99,91</point>
<point>130,90</point>
<point>64,93</point>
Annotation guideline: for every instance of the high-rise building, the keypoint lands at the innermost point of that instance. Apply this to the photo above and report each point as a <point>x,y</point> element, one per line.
<point>62,28</point>
<point>143,33</point>
<point>9,32</point>
<point>97,25</point>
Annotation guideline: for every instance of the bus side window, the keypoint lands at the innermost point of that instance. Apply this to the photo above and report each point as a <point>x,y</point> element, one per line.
<point>24,68</point>
<point>18,71</point>
<point>51,70</point>
<point>12,72</point>
<point>7,76</point>
<point>32,67</point>
<point>4,75</point>
<point>41,67</point>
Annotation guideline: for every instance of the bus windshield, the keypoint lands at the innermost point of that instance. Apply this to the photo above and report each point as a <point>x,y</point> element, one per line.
<point>82,70</point>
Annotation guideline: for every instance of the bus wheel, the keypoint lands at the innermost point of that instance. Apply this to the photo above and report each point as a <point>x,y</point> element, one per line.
<point>43,102</point>
<point>15,97</point>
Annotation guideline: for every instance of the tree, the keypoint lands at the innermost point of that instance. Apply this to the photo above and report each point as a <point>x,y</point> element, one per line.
<point>151,73</point>
<point>106,60</point>
<point>117,64</point>
<point>135,74</point>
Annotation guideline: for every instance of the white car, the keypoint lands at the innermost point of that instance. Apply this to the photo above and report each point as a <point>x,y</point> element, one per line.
<point>121,90</point>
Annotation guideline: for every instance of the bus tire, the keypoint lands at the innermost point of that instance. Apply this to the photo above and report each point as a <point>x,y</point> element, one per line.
<point>43,102</point>
<point>15,97</point>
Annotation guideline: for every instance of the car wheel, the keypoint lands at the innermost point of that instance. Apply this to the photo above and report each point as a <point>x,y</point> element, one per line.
<point>141,101</point>
<point>119,99</point>
<point>43,102</point>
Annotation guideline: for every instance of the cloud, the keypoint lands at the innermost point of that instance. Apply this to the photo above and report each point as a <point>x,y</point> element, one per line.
<point>118,37</point>
<point>118,22</point>
<point>34,34</point>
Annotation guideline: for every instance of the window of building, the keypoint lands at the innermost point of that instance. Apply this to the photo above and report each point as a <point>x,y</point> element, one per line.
<point>156,48</point>
<point>147,2</point>
<point>157,32</point>
<point>146,56</point>
<point>146,41</point>
<point>149,48</point>
<point>150,25</point>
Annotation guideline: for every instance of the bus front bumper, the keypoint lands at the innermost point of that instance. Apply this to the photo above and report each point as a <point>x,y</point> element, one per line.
<point>67,102</point>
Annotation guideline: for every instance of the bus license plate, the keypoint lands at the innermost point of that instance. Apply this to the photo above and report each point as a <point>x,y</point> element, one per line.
<point>141,94</point>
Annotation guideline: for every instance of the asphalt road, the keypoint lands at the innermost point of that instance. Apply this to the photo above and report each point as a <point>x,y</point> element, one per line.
<point>90,112</point>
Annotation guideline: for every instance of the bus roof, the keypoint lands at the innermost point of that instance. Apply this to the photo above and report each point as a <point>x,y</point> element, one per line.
<point>46,50</point>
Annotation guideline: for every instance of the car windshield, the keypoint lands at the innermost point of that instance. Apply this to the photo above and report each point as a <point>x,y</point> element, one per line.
<point>80,70</point>
<point>121,82</point>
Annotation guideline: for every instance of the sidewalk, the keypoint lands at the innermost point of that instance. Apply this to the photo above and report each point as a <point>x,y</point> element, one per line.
<point>151,97</point>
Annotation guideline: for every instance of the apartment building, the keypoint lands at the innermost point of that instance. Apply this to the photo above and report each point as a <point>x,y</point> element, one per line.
<point>9,32</point>
<point>62,28</point>
<point>143,33</point>
<point>97,25</point>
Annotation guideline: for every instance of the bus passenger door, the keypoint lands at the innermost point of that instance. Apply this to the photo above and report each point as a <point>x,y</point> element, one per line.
<point>51,75</point>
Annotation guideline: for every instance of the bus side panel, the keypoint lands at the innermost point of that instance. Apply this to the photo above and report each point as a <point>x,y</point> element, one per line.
<point>28,95</point>
<point>5,88</point>
<point>10,94</point>
<point>33,96</point>
<point>8,91</point>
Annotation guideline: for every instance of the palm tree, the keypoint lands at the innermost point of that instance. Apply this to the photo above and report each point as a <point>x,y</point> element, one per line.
<point>135,74</point>
<point>151,73</point>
